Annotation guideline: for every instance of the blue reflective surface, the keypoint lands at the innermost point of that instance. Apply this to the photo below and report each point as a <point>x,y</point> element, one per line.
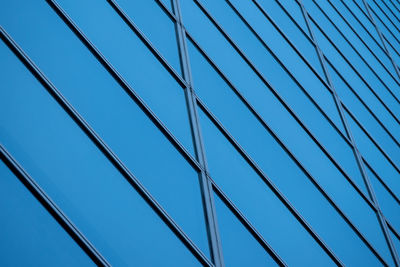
<point>239,247</point>
<point>78,177</point>
<point>30,236</point>
<point>126,129</point>
<point>276,163</point>
<point>277,105</point>
<point>258,203</point>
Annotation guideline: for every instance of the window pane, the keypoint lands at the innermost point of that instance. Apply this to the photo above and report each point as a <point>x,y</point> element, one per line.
<point>119,121</point>
<point>79,178</point>
<point>289,28</point>
<point>363,31</point>
<point>379,87</point>
<point>355,81</point>
<point>126,52</point>
<point>265,62</point>
<point>239,247</point>
<point>258,203</point>
<point>255,91</point>
<point>30,236</point>
<point>389,206</point>
<point>367,119</point>
<point>360,47</point>
<point>396,242</point>
<point>277,164</point>
<point>371,153</point>
<point>157,26</point>
<point>295,11</point>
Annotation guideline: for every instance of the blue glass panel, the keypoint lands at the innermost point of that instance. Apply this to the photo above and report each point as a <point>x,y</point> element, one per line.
<point>356,82</point>
<point>290,29</point>
<point>369,122</point>
<point>384,16</point>
<point>264,61</point>
<point>135,62</point>
<point>118,120</point>
<point>30,236</point>
<point>371,153</point>
<point>79,178</point>
<point>276,163</point>
<point>389,206</point>
<point>301,41</point>
<point>239,247</point>
<point>295,11</point>
<point>258,95</point>
<point>258,203</point>
<point>156,25</point>
<point>362,31</point>
<point>168,4</point>
<point>360,14</point>
<point>381,88</point>
<point>396,242</point>
<point>368,55</point>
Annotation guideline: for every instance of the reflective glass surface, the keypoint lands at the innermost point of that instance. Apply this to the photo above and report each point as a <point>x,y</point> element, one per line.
<point>201,132</point>
<point>30,236</point>
<point>78,176</point>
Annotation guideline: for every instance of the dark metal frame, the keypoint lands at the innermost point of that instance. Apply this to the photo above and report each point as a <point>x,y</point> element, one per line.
<point>382,220</point>
<point>200,164</point>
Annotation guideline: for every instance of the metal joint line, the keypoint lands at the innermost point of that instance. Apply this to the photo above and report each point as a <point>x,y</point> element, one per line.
<point>206,189</point>
<point>288,108</point>
<point>52,208</point>
<point>361,101</point>
<point>103,147</point>
<point>359,160</point>
<point>243,99</point>
<point>246,223</point>
<point>354,49</point>
<point>369,15</point>
<point>364,43</point>
<point>285,68</point>
<point>355,70</point>
<point>280,195</point>
<point>128,89</point>
<point>380,34</point>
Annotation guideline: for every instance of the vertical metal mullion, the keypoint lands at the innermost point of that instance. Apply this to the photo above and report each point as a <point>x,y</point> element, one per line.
<point>381,37</point>
<point>206,186</point>
<point>359,160</point>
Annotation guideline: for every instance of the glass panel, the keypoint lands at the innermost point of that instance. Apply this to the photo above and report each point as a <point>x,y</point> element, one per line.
<point>289,28</point>
<point>30,236</point>
<point>380,87</point>
<point>258,203</point>
<point>156,25</point>
<point>276,163</point>
<point>118,120</point>
<point>355,81</point>
<point>351,101</point>
<point>396,242</point>
<point>258,95</point>
<point>135,62</point>
<point>168,4</point>
<point>239,247</point>
<point>368,54</point>
<point>364,32</point>
<point>79,178</point>
<point>265,61</point>
<point>389,206</point>
<point>295,11</point>
<point>371,153</point>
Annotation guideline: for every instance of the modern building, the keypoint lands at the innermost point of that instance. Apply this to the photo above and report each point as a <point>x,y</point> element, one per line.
<point>200,133</point>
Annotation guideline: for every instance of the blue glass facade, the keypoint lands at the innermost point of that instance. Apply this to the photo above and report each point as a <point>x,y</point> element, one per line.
<point>200,133</point>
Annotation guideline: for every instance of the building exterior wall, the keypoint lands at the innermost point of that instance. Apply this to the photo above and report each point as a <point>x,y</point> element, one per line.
<point>200,133</point>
